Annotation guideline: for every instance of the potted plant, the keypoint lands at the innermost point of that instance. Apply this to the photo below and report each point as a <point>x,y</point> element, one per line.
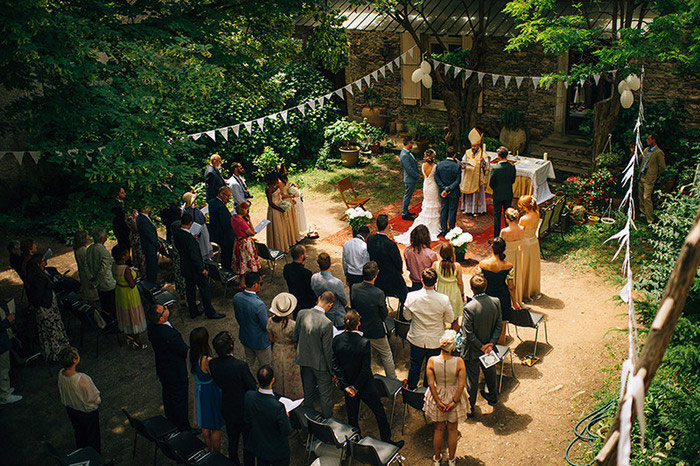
<point>357,218</point>
<point>344,135</point>
<point>372,110</point>
<point>423,135</point>
<point>459,240</point>
<point>374,137</point>
<point>513,134</point>
<point>574,187</point>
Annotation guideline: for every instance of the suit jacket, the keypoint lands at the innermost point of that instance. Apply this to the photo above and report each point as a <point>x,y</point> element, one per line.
<point>655,165</point>
<point>251,314</point>
<point>410,167</point>
<point>213,181</point>
<point>501,181</point>
<point>171,353</point>
<point>352,361</point>
<point>234,378</point>
<point>220,223</point>
<point>191,263</point>
<point>148,235</point>
<point>370,302</point>
<point>98,267</point>
<point>325,281</point>
<point>239,190</point>
<point>298,280</point>
<point>481,324</point>
<point>39,290</point>
<point>386,254</point>
<point>119,226</point>
<point>269,426</point>
<point>448,175</point>
<point>313,333</point>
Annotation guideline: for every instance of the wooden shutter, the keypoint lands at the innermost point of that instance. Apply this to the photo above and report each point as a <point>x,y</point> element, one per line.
<point>410,91</point>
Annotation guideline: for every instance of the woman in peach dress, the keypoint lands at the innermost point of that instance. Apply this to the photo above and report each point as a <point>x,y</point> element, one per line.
<point>513,235</point>
<point>530,246</point>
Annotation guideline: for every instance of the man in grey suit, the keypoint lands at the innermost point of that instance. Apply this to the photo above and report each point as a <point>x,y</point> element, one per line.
<point>148,235</point>
<point>410,176</point>
<point>314,335</point>
<point>325,281</point>
<point>481,328</point>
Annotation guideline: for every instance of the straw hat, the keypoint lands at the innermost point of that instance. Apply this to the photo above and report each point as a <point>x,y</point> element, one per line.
<point>283,304</point>
<point>188,198</point>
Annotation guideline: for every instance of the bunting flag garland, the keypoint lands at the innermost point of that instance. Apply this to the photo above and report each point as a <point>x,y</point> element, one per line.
<point>382,70</point>
<point>535,81</point>
<point>506,79</point>
<point>211,134</point>
<point>260,122</point>
<point>338,92</point>
<point>390,66</point>
<point>19,156</point>
<point>596,78</point>
<point>283,114</point>
<point>366,80</point>
<point>196,136</point>
<point>224,133</point>
<point>237,128</point>
<point>35,156</point>
<point>519,81</point>
<point>480,76</point>
<point>349,89</point>
<point>249,126</point>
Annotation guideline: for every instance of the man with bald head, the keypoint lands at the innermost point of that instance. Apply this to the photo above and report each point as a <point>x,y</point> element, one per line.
<point>213,178</point>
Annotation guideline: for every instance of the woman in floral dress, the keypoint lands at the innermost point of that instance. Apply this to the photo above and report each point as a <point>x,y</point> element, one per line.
<point>245,254</point>
<point>280,330</point>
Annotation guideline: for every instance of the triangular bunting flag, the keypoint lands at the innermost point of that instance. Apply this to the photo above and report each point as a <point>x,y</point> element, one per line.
<point>367,80</point>
<point>397,62</point>
<point>19,156</point>
<point>375,75</point>
<point>582,81</point>
<point>72,152</point>
<point>382,70</point>
<point>447,68</point>
<point>566,84</point>
<point>236,129</point>
<point>596,78</point>
<point>358,84</point>
<point>261,121</point>
<point>283,114</point>
<point>320,101</point>
<point>614,73</point>
<point>506,80</point>
<point>410,51</point>
<point>348,88</point>
<point>535,81</point>
<point>196,136</point>
<point>35,155</point>
<point>88,157</point>
<point>273,116</point>
<point>480,76</point>
<point>311,104</point>
<point>457,70</point>
<point>494,78</point>
<point>211,134</point>
<point>328,96</point>
<point>249,126</point>
<point>403,57</point>
<point>339,93</point>
<point>301,109</point>
<point>467,74</point>
<point>224,133</point>
<point>390,66</point>
<point>519,81</point>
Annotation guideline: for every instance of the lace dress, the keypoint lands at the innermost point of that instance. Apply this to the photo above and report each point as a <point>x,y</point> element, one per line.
<point>430,211</point>
<point>284,353</point>
<point>446,383</point>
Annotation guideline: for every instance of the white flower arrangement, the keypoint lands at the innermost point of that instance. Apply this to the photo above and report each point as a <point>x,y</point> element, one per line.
<point>358,217</point>
<point>459,239</point>
<point>285,205</point>
<point>294,191</point>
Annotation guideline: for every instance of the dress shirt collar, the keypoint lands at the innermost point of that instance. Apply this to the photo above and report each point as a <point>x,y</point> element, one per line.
<point>478,295</point>
<point>652,148</point>
<point>319,308</point>
<point>326,273</point>
<point>168,324</point>
<point>250,292</point>
<point>266,391</point>
<point>356,331</point>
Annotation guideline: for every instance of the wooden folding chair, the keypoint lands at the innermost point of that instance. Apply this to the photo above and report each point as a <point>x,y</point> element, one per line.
<point>345,186</point>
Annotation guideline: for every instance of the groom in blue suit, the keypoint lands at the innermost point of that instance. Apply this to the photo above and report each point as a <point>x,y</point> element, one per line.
<point>447,176</point>
<point>410,176</point>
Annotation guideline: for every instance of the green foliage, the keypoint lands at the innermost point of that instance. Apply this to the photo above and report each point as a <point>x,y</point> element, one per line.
<point>372,133</point>
<point>370,97</point>
<point>459,57</point>
<point>424,131</point>
<point>492,144</point>
<point>512,119</point>
<point>344,133</point>
<point>327,43</point>
<point>266,162</point>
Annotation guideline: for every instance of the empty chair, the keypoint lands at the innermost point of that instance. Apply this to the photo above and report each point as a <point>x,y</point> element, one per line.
<point>349,196</point>
<point>270,255</point>
<point>297,418</point>
<point>91,320</point>
<point>152,429</point>
<point>527,318</point>
<point>183,447</point>
<point>413,398</point>
<point>223,276</point>
<point>502,351</point>
<point>333,433</point>
<point>401,329</point>
<point>374,452</point>
<point>388,388</point>
<point>86,455</point>
<point>557,223</point>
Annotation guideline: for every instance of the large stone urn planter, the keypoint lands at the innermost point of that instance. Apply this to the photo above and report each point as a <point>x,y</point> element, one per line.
<point>376,116</point>
<point>350,156</point>
<point>514,139</point>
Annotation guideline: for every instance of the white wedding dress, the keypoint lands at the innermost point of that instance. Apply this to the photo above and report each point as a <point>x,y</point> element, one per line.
<point>430,211</point>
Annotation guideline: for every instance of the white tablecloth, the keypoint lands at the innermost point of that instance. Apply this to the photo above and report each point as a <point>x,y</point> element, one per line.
<point>538,170</point>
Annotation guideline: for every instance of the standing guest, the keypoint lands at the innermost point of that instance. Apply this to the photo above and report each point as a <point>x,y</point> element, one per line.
<point>237,184</point>
<point>298,217</point>
<point>200,219</point>
<point>28,248</point>
<point>499,277</point>
<point>14,252</point>
<point>280,331</point>
<point>530,247</point>
<point>99,264</point>
<point>355,256</point>
<point>384,251</point>
<point>281,232</point>
<point>475,176</point>
<point>352,366</point>
<point>652,162</point>
<point>81,398</point>
<point>448,177</point>
<point>450,282</point>
<point>220,222</point>
<point>298,280</point>
<point>370,302</point>
<point>501,182</point>
<point>119,226</point>
<point>513,235</point>
<point>269,422</point>
<point>171,213</point>
<point>52,334</point>
<point>88,293</point>
<point>429,313</point>
<point>148,234</point>
<point>171,366</point>
<point>446,400</point>
<point>419,256</point>
<point>325,281</point>
<point>130,316</point>
<point>410,176</point>
<point>207,394</point>
<point>314,335</point>
<point>251,314</point>
<point>213,178</point>
<point>193,270</point>
<point>245,255</point>
<point>234,378</point>
<point>7,395</point>
<point>178,278</point>
<point>481,327</point>
<point>138,260</point>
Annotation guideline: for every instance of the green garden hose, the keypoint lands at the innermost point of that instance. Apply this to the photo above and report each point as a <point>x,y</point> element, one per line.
<point>585,433</point>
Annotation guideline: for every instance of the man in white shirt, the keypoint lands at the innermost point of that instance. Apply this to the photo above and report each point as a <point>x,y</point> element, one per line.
<point>430,313</point>
<point>237,184</point>
<point>355,256</point>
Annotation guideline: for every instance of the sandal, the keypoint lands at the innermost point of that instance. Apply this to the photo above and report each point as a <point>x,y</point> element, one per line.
<point>436,462</point>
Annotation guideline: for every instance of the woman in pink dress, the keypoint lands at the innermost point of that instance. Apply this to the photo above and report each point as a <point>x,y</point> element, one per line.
<point>245,254</point>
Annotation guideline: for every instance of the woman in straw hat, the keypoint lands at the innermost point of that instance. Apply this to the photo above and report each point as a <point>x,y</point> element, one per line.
<point>198,217</point>
<point>280,330</point>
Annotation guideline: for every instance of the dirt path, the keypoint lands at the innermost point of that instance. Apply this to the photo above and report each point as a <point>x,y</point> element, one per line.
<point>532,424</point>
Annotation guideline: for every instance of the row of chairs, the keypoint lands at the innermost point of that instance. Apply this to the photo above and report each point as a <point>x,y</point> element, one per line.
<point>552,219</point>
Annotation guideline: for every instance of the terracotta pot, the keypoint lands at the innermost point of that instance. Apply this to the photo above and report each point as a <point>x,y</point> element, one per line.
<point>421,146</point>
<point>400,126</point>
<point>375,116</point>
<point>514,140</point>
<point>350,155</point>
<point>374,148</point>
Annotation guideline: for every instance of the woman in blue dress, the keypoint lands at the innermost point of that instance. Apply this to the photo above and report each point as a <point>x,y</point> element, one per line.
<point>207,395</point>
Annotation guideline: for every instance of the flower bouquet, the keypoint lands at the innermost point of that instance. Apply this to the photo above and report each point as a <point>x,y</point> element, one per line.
<point>294,191</point>
<point>358,217</point>
<point>459,239</point>
<point>285,205</point>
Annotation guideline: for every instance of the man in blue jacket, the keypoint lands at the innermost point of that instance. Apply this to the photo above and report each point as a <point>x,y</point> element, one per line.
<point>410,176</point>
<point>448,174</point>
<point>251,314</point>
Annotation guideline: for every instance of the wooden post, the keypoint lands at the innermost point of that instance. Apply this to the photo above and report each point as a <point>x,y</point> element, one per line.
<point>661,330</point>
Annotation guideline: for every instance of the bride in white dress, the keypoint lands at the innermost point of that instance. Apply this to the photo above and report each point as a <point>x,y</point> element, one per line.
<point>430,210</point>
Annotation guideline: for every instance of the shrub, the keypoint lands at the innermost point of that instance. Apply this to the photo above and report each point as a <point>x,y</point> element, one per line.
<point>512,119</point>
<point>265,162</point>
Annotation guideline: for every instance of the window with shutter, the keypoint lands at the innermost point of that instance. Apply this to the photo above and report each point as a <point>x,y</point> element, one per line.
<point>410,91</point>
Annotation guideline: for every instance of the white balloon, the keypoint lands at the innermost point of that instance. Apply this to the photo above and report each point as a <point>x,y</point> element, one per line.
<point>427,81</point>
<point>623,86</point>
<point>627,98</point>
<point>417,75</point>
<point>633,82</point>
<point>425,66</point>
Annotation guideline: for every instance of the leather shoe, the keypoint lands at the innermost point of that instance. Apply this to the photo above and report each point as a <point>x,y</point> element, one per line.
<point>408,217</point>
<point>471,414</point>
<point>216,315</point>
<point>490,399</point>
<point>199,313</point>
<point>398,444</point>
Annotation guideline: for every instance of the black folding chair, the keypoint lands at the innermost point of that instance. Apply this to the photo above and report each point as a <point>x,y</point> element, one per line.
<point>152,429</point>
<point>374,452</point>
<point>401,329</point>
<point>333,433</point>
<point>527,318</point>
<point>85,455</point>
<point>502,351</point>
<point>183,448</point>
<point>270,255</point>
<point>223,276</point>
<point>388,388</point>
<point>297,418</point>
<point>413,398</point>
<point>92,320</point>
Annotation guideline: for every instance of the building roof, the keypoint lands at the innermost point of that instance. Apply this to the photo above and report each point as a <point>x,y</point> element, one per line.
<point>451,17</point>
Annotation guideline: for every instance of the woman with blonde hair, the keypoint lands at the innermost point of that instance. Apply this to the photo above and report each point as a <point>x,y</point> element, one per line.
<point>450,281</point>
<point>430,208</point>
<point>530,247</point>
<point>513,235</point>
<point>446,399</point>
